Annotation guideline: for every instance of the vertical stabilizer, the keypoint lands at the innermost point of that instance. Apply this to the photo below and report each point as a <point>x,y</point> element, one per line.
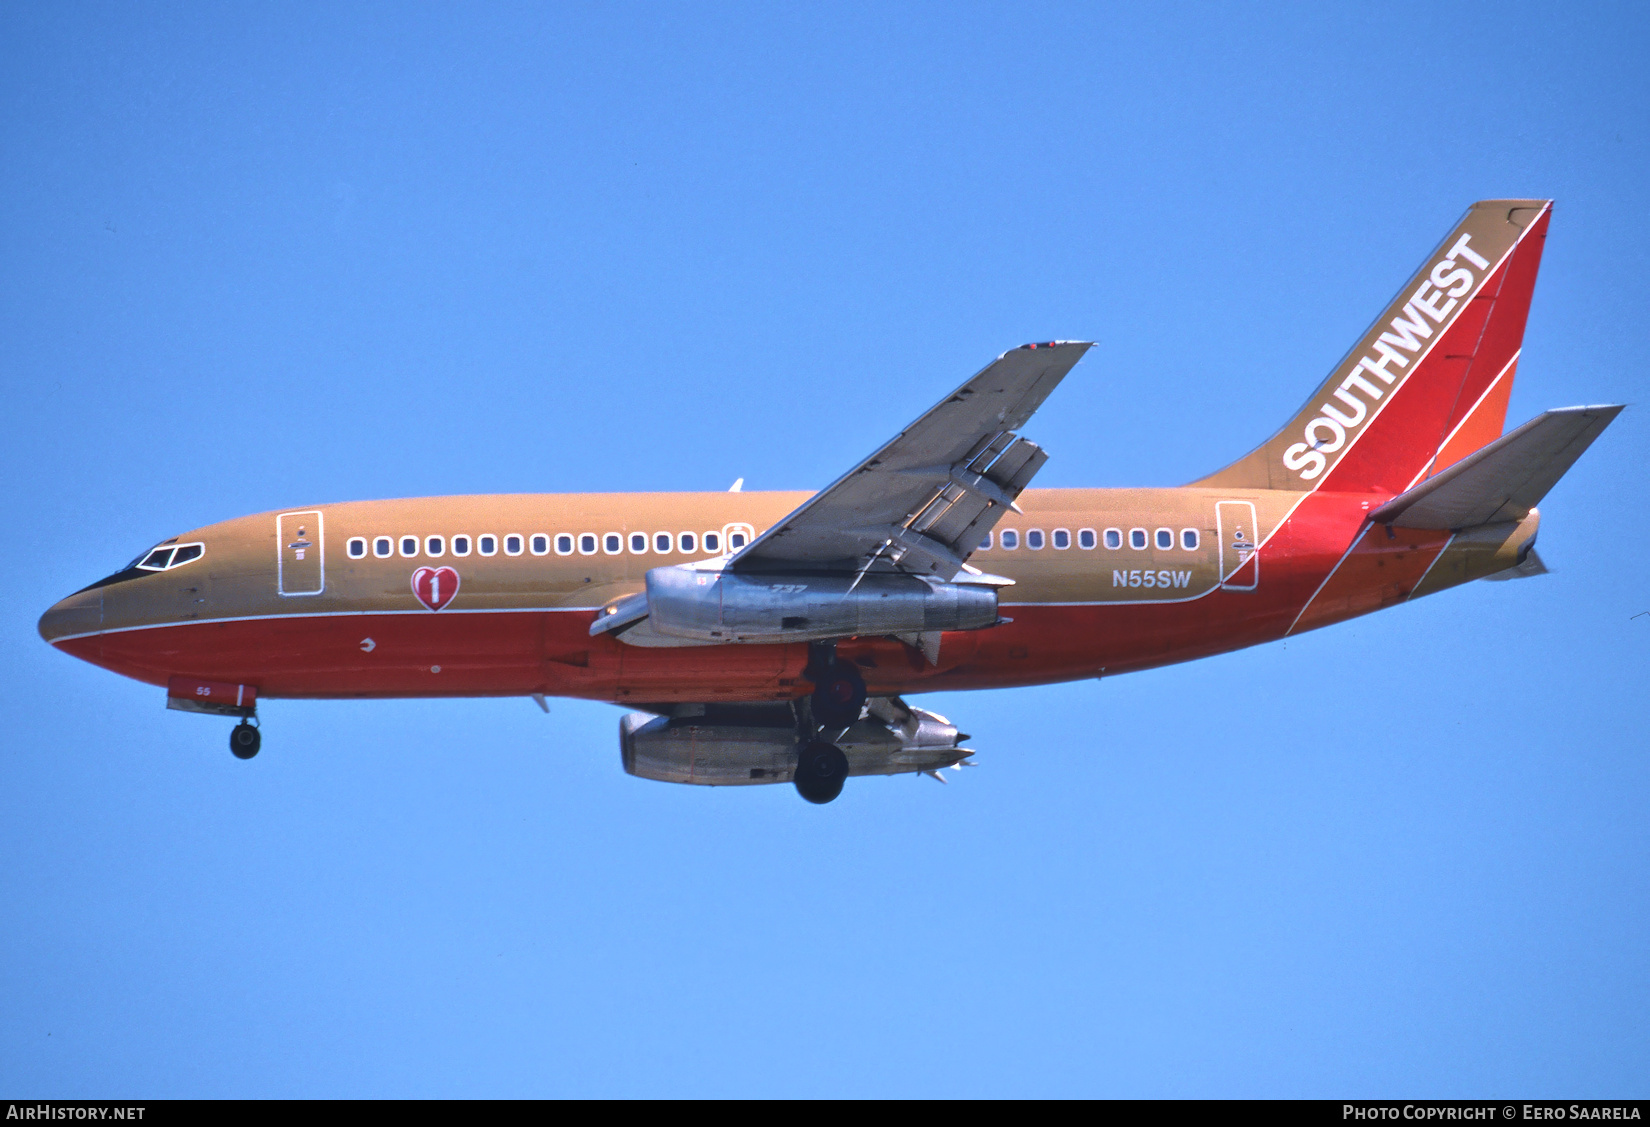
<point>1428,383</point>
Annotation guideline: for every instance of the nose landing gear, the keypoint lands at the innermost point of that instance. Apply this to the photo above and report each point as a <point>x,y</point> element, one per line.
<point>244,740</point>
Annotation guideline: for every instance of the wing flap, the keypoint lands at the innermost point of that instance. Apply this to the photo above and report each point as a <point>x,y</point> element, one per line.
<point>924,500</point>
<point>1504,480</point>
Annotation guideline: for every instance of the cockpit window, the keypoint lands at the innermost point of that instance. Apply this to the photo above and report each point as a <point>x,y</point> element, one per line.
<point>168,557</point>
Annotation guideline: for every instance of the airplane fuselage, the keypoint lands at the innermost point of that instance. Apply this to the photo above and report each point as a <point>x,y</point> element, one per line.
<point>494,595</point>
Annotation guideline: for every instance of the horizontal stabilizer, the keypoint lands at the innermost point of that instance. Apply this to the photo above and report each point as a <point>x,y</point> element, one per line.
<point>1531,567</point>
<point>1504,480</point>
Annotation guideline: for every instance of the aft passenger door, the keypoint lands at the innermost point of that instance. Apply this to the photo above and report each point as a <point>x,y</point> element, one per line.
<point>300,563</point>
<point>1239,543</point>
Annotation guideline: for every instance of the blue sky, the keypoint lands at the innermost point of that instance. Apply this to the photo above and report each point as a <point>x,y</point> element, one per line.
<point>255,257</point>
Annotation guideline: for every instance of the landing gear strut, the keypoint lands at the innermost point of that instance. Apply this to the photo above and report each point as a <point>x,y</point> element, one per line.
<point>836,702</point>
<point>244,740</point>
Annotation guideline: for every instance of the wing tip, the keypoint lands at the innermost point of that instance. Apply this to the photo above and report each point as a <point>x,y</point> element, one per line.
<point>1053,344</point>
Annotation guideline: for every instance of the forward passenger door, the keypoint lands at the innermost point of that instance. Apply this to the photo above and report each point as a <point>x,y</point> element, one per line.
<point>300,564</point>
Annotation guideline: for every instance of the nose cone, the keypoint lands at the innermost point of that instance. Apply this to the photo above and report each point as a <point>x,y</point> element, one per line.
<point>80,613</point>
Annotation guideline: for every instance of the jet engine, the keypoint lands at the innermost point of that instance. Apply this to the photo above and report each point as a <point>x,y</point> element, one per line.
<point>744,745</point>
<point>723,606</point>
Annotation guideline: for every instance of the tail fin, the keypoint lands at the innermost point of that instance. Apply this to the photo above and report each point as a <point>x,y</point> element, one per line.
<point>1428,383</point>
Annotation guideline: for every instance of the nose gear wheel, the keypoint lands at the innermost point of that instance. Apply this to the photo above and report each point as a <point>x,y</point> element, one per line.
<point>244,740</point>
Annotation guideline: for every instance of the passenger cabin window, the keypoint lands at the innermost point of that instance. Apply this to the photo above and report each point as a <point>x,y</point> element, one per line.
<point>1011,539</point>
<point>687,541</point>
<point>434,545</point>
<point>382,547</point>
<point>409,546</point>
<point>661,543</point>
<point>587,544</point>
<point>638,543</point>
<point>1137,538</point>
<point>736,540</point>
<point>487,545</point>
<point>1188,539</point>
<point>713,541</point>
<point>357,547</point>
<point>1062,538</point>
<point>1034,539</point>
<point>564,545</point>
<point>1165,538</point>
<point>512,544</point>
<point>1114,538</point>
<point>985,545</point>
<point>612,543</point>
<point>540,544</point>
<point>1085,538</point>
<point>461,545</point>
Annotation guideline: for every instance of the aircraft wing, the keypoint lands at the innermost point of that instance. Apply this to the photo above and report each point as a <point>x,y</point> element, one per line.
<point>923,502</point>
<point>1504,480</point>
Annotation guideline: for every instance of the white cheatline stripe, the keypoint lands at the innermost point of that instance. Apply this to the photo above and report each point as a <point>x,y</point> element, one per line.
<point>1362,529</point>
<point>529,610</point>
<point>1430,566</point>
<point>1496,382</point>
<point>324,614</point>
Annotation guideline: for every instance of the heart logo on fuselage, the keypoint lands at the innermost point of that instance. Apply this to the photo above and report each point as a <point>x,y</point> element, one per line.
<point>435,586</point>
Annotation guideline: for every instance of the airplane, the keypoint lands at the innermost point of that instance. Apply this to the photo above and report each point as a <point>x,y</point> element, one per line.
<point>772,637</point>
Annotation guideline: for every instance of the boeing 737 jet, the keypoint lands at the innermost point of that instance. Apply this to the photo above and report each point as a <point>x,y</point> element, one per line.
<point>774,637</point>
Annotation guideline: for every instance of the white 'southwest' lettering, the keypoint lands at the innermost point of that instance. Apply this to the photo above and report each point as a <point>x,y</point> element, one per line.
<point>1429,305</point>
<point>1461,250</point>
<point>1309,462</point>
<point>1456,282</point>
<point>1333,428</point>
<point>1407,327</point>
<point>1359,410</point>
<point>1363,385</point>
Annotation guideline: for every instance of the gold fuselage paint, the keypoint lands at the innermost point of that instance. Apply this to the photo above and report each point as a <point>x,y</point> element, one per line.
<point>242,572</point>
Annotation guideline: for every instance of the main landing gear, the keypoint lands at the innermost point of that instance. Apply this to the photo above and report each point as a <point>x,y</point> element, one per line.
<point>244,740</point>
<point>836,702</point>
<point>821,769</point>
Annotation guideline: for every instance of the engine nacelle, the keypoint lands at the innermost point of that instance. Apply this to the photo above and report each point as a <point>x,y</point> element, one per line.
<point>744,745</point>
<point>723,606</point>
